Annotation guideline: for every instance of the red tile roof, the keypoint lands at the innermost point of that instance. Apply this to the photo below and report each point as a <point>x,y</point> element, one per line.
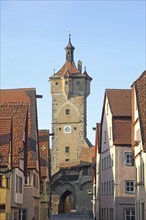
<point>68,68</point>
<point>86,158</point>
<point>5,139</point>
<point>18,114</point>
<point>28,96</point>
<point>119,101</point>
<point>140,88</point>
<point>122,131</point>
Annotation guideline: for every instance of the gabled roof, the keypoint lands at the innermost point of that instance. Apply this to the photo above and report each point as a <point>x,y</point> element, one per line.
<point>120,106</point>
<point>119,101</point>
<point>140,89</point>
<point>5,139</point>
<point>122,131</point>
<point>27,96</point>
<point>18,113</point>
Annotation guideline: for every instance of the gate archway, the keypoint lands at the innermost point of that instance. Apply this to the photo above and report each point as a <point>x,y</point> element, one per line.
<point>67,202</point>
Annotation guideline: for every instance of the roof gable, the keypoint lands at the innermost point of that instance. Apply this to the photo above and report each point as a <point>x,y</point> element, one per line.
<point>119,101</point>
<point>27,96</point>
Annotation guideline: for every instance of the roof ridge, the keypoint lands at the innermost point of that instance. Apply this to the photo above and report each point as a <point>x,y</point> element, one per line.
<point>18,89</point>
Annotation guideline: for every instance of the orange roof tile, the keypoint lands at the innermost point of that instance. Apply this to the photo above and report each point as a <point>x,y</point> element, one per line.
<point>28,96</point>
<point>18,113</point>
<point>119,101</point>
<point>122,131</point>
<point>69,68</point>
<point>5,139</point>
<point>140,87</point>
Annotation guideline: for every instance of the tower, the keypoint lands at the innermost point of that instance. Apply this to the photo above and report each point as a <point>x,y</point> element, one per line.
<point>69,89</point>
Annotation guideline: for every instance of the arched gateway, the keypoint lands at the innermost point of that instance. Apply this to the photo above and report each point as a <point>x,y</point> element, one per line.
<point>72,190</point>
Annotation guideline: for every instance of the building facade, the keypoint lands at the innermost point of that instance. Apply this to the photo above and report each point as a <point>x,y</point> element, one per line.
<point>116,175</point>
<point>45,201</point>
<point>139,143</point>
<point>25,178</point>
<point>69,89</point>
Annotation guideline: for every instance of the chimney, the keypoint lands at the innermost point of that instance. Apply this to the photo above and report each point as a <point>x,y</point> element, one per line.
<point>80,66</point>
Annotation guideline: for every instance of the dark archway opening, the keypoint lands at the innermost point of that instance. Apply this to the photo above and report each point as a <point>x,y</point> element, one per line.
<point>67,202</point>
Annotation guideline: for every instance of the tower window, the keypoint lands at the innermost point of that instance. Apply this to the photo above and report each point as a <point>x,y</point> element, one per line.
<point>67,160</point>
<point>67,111</point>
<point>75,128</point>
<point>66,82</point>
<point>56,83</point>
<point>59,129</point>
<point>67,149</point>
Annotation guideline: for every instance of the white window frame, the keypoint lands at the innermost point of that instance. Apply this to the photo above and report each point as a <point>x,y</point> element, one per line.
<point>130,215</point>
<point>130,186</point>
<point>128,161</point>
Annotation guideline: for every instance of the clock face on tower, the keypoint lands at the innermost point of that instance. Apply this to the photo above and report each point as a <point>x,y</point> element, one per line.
<point>78,83</point>
<point>67,129</point>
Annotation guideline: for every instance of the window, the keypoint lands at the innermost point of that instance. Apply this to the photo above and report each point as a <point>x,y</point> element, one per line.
<point>128,158</point>
<point>85,172</point>
<point>66,159</point>
<point>112,187</point>
<point>129,214</point>
<point>35,181</point>
<point>41,187</point>
<point>22,214</point>
<point>111,214</point>
<point>56,83</point>
<point>18,184</point>
<point>105,137</point>
<point>66,82</point>
<point>142,211</point>
<point>109,187</point>
<point>8,183</point>
<point>75,128</point>
<point>59,129</point>
<point>67,149</point>
<point>67,111</point>
<point>129,186</point>
<point>102,165</point>
<point>1,180</point>
<point>110,133</point>
<point>105,163</point>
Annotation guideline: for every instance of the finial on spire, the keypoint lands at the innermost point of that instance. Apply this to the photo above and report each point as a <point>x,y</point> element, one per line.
<point>84,69</point>
<point>69,50</point>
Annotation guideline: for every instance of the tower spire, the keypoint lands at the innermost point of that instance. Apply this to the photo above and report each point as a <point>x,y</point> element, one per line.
<point>69,50</point>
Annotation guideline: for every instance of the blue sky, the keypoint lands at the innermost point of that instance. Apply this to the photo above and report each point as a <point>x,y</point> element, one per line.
<point>109,38</point>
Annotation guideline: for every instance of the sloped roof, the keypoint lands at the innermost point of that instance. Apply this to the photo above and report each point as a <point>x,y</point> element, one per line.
<point>28,96</point>
<point>5,139</point>
<point>119,101</point>
<point>86,158</point>
<point>87,154</point>
<point>69,68</point>
<point>140,88</point>
<point>122,131</point>
<point>44,152</point>
<point>18,114</point>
